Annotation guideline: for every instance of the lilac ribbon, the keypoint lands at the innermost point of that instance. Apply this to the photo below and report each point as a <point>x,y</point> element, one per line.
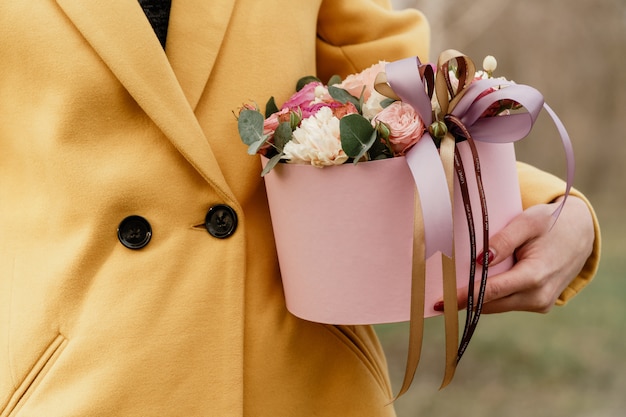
<point>423,159</point>
<point>511,127</point>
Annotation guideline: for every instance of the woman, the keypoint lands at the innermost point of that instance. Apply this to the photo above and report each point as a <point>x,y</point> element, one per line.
<point>138,274</point>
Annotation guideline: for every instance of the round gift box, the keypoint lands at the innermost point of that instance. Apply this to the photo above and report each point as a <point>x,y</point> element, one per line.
<point>344,234</point>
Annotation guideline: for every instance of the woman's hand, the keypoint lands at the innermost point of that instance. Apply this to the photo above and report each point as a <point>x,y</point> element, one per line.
<point>547,259</point>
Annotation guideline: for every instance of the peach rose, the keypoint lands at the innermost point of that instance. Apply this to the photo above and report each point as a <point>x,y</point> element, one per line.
<point>354,83</point>
<point>405,126</point>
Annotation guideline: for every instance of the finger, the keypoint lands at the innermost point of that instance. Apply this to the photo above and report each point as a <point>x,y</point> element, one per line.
<point>504,285</point>
<point>502,305</point>
<point>530,224</point>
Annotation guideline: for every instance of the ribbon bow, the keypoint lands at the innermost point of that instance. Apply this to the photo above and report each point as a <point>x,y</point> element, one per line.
<point>459,114</point>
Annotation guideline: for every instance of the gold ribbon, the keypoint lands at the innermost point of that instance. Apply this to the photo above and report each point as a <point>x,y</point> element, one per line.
<point>418,292</point>
<point>450,313</point>
<point>447,96</point>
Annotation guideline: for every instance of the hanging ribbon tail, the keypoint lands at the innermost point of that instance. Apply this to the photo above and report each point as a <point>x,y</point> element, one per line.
<point>432,185</point>
<point>404,79</point>
<point>433,220</point>
<point>451,319</point>
<point>450,301</point>
<point>432,171</point>
<point>418,289</point>
<point>569,158</point>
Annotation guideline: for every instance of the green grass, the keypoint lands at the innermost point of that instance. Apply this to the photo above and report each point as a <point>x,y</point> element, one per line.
<point>569,362</point>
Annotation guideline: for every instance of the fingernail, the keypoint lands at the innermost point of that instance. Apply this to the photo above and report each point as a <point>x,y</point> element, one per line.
<point>438,306</point>
<point>490,256</point>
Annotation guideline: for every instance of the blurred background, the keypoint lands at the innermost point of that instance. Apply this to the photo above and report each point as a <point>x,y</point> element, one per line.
<point>571,361</point>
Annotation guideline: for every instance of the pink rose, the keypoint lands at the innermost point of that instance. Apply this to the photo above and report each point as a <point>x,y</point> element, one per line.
<point>404,124</point>
<point>354,83</point>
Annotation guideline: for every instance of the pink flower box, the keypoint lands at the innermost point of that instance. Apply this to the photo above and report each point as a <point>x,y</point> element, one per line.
<point>344,234</point>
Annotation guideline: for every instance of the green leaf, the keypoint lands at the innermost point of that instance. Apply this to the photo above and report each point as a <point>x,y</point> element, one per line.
<point>379,149</point>
<point>295,117</point>
<point>282,135</point>
<point>357,135</point>
<point>335,79</point>
<point>343,96</point>
<point>250,125</point>
<point>271,107</point>
<point>386,102</point>
<point>253,149</point>
<point>305,80</point>
<point>271,164</point>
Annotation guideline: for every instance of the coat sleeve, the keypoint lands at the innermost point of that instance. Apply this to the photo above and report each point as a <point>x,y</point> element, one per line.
<point>355,34</point>
<point>539,187</point>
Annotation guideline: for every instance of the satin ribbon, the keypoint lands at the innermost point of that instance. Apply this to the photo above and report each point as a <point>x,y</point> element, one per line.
<point>410,81</point>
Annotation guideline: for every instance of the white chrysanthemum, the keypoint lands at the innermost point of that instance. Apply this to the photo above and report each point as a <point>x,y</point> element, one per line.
<point>316,141</point>
<point>372,106</point>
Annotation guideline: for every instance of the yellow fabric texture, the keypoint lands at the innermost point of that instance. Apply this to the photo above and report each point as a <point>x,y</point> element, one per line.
<point>98,123</point>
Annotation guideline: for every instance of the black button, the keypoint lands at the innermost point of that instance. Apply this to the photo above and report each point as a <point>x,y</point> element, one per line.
<point>221,221</point>
<point>134,232</point>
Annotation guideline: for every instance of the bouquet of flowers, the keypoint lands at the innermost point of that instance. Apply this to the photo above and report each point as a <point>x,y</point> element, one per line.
<point>325,125</point>
<point>357,244</point>
<point>345,120</point>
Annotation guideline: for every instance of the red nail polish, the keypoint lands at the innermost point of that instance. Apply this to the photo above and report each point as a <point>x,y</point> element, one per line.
<point>438,306</point>
<point>490,257</point>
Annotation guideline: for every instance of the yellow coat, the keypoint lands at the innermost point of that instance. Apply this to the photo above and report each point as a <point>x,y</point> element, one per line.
<point>97,123</point>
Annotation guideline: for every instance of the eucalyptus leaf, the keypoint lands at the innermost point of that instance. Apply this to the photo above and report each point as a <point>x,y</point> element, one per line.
<point>335,79</point>
<point>250,125</point>
<point>357,135</point>
<point>253,149</point>
<point>343,96</point>
<point>379,150</point>
<point>386,102</point>
<point>271,163</point>
<point>366,148</point>
<point>305,80</point>
<point>295,117</point>
<point>271,107</point>
<point>282,135</point>
<point>381,156</point>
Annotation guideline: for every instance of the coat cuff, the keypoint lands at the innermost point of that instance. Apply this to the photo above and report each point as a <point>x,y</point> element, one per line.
<point>539,187</point>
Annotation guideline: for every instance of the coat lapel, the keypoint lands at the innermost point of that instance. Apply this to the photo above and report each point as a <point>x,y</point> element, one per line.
<point>195,34</point>
<point>120,33</point>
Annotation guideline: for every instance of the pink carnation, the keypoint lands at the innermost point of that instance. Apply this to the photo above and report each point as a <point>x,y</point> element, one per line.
<point>405,126</point>
<point>303,98</point>
<point>339,109</point>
